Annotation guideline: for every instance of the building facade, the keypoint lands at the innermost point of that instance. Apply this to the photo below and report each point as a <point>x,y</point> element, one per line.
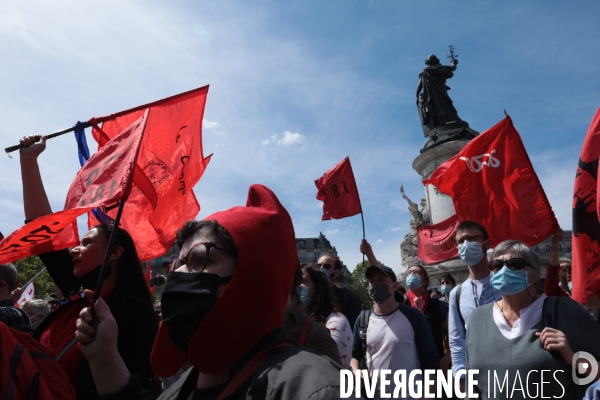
<point>311,249</point>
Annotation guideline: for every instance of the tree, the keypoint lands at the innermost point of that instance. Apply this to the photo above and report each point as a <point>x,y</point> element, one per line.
<point>360,285</point>
<point>27,268</point>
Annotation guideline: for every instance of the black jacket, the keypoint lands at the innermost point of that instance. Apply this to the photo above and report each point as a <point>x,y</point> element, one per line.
<point>295,373</point>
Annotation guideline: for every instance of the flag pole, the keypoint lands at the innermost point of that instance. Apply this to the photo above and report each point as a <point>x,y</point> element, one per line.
<point>32,279</point>
<point>109,249</point>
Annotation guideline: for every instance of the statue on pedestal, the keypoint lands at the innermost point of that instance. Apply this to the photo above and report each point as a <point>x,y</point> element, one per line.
<point>439,118</point>
<point>409,246</point>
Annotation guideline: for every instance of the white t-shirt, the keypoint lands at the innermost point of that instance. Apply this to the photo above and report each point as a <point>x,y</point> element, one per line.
<point>529,317</point>
<point>341,332</point>
<point>391,345</point>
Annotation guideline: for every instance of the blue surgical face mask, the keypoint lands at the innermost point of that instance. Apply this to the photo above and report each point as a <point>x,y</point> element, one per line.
<point>326,272</point>
<point>304,298</point>
<point>570,285</point>
<point>509,282</point>
<point>414,282</point>
<point>471,252</point>
<point>445,289</point>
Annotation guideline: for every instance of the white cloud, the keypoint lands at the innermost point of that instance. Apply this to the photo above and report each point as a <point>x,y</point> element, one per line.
<point>272,139</point>
<point>379,241</point>
<point>209,124</point>
<point>332,232</point>
<point>290,138</point>
<point>394,229</point>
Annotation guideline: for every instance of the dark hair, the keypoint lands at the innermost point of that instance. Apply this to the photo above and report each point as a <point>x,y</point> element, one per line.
<point>564,279</point>
<point>191,227</point>
<point>8,274</point>
<point>448,277</point>
<point>337,264</point>
<point>472,225</point>
<point>130,281</point>
<point>425,274</point>
<point>321,304</point>
<point>295,294</point>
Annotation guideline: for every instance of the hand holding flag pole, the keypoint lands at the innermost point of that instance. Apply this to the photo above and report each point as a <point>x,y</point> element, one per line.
<point>96,121</point>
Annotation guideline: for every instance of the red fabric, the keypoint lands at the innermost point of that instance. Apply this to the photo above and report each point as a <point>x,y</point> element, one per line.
<point>60,332</point>
<point>252,303</point>
<point>492,182</point>
<point>104,179</point>
<point>585,267</point>
<point>170,163</point>
<point>436,242</point>
<point>53,384</point>
<point>551,286</point>
<point>338,192</point>
<point>411,296</point>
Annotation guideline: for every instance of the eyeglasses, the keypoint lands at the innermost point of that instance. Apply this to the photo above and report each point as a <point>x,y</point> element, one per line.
<point>469,238</point>
<point>197,257</point>
<point>326,266</point>
<point>513,263</point>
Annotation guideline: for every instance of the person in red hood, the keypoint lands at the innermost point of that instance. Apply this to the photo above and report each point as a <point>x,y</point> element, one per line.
<point>222,310</point>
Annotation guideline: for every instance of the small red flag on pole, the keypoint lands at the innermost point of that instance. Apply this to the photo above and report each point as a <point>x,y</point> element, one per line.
<point>338,191</point>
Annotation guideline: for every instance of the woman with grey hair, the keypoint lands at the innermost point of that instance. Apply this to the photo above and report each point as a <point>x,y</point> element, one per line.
<point>526,343</point>
<point>36,310</point>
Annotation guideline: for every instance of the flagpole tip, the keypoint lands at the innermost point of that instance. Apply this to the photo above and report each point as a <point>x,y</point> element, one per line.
<point>505,113</point>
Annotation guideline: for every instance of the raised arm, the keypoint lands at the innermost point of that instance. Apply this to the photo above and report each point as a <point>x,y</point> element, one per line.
<point>367,250</point>
<point>35,199</point>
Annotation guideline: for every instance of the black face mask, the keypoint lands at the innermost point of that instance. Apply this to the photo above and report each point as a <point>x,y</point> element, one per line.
<point>186,300</point>
<point>90,280</point>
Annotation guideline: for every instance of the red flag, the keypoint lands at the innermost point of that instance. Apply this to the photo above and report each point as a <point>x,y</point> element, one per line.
<point>586,228</point>
<point>105,179</point>
<point>492,182</point>
<point>436,242</point>
<point>27,294</point>
<point>171,162</point>
<point>338,192</point>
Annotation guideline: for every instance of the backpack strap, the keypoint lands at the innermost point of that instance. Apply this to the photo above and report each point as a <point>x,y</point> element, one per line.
<point>13,362</point>
<point>241,377</point>
<point>458,291</point>
<point>550,314</point>
<point>364,325</point>
<point>65,349</point>
<point>304,331</point>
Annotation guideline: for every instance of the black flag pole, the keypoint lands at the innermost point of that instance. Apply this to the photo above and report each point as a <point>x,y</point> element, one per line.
<point>109,249</point>
<point>50,136</point>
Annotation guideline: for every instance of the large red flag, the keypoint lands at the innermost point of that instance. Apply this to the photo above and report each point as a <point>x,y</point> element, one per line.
<point>171,160</point>
<point>105,179</point>
<point>436,242</point>
<point>492,182</point>
<point>586,228</point>
<point>338,191</point>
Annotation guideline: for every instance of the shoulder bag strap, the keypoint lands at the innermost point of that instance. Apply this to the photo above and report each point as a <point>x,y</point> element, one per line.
<point>304,331</point>
<point>458,291</point>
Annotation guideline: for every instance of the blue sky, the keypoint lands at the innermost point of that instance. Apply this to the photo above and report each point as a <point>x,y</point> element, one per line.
<point>298,86</point>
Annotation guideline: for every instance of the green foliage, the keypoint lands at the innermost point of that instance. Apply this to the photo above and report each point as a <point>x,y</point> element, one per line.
<point>27,268</point>
<point>359,284</point>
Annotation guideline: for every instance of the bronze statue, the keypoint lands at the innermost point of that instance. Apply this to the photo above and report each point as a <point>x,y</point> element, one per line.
<point>439,118</point>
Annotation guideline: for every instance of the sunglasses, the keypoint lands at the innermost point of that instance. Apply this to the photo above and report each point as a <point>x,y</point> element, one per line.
<point>326,266</point>
<point>513,263</point>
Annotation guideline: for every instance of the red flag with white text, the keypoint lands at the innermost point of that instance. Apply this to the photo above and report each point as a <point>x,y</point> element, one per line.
<point>338,191</point>
<point>105,179</point>
<point>492,182</point>
<point>585,268</point>
<point>170,163</point>
<point>436,242</point>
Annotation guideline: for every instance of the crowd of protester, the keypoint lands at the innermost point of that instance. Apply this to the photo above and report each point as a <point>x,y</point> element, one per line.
<point>240,318</point>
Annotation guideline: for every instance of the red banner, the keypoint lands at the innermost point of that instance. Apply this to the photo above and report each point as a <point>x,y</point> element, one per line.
<point>338,191</point>
<point>492,182</point>
<point>171,162</point>
<point>586,227</point>
<point>103,180</point>
<point>436,242</point>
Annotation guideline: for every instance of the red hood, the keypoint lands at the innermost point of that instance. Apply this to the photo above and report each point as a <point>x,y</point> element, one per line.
<point>252,304</point>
